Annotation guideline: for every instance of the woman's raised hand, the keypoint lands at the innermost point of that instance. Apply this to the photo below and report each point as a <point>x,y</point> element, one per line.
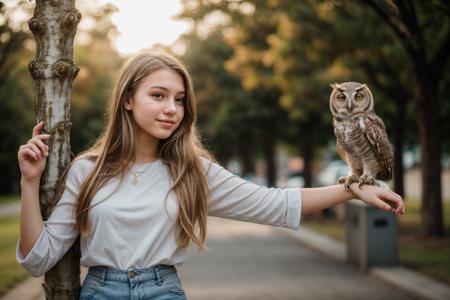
<point>33,155</point>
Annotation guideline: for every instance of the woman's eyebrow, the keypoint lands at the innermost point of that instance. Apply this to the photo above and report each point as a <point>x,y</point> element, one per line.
<point>165,89</point>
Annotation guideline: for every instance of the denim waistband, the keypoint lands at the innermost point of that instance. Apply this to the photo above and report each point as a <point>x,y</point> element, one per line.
<point>152,273</point>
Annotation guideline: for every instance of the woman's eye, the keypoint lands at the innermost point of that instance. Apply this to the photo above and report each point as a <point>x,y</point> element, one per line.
<point>180,100</point>
<point>359,96</point>
<point>158,96</point>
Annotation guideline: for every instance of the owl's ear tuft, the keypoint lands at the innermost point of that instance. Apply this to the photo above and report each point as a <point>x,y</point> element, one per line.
<point>336,86</point>
<point>363,86</point>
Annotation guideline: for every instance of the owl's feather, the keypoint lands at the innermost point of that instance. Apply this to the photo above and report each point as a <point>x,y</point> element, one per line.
<point>340,150</point>
<point>375,131</point>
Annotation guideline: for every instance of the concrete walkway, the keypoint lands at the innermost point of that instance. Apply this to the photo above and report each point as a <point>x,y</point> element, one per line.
<point>249,261</point>
<point>414,283</point>
<point>10,209</point>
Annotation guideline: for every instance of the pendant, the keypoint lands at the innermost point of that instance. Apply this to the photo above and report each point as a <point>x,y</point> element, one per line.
<point>135,180</point>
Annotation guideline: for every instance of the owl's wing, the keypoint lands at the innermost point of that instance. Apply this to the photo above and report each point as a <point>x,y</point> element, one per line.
<point>339,148</point>
<point>375,131</point>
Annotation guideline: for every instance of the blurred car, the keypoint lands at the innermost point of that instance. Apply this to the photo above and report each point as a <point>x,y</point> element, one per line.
<point>331,172</point>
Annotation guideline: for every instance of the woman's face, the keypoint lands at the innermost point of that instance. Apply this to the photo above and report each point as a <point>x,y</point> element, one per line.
<point>158,104</point>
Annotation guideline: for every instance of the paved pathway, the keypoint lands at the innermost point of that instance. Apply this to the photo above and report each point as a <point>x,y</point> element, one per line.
<point>10,209</point>
<point>249,261</point>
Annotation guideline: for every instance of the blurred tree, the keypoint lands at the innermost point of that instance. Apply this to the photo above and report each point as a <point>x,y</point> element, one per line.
<point>260,114</point>
<point>99,61</point>
<point>251,23</point>
<point>303,63</point>
<point>220,97</point>
<point>423,29</point>
<point>445,115</point>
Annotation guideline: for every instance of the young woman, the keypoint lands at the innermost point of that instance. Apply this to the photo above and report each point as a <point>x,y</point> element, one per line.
<point>143,192</point>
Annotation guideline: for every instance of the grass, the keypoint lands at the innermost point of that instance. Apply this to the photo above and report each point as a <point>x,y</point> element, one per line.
<point>11,273</point>
<point>424,254</point>
<point>4,199</point>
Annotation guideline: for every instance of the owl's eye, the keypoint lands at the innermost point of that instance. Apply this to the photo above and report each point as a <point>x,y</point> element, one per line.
<point>341,97</point>
<point>359,96</point>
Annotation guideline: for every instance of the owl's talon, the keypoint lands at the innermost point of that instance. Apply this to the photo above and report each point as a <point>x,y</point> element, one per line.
<point>366,179</point>
<point>347,187</point>
<point>342,179</point>
<point>349,180</point>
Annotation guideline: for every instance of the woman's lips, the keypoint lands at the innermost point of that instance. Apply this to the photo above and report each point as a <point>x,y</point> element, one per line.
<point>166,124</point>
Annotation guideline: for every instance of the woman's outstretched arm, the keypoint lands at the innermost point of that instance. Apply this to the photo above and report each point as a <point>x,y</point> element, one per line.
<point>317,199</point>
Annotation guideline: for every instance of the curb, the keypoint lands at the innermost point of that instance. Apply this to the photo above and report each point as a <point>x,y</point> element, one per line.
<point>416,284</point>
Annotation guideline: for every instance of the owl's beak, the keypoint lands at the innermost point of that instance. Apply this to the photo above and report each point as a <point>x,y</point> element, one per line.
<point>349,105</point>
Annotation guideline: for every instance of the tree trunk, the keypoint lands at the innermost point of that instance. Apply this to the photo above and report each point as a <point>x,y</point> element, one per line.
<point>399,127</point>
<point>54,25</point>
<point>307,146</point>
<point>428,124</point>
<point>269,154</point>
<point>244,151</point>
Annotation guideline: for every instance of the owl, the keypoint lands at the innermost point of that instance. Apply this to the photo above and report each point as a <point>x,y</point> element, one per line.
<point>361,135</point>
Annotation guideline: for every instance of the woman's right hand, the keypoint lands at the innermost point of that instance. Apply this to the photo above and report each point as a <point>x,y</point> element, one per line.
<point>33,155</point>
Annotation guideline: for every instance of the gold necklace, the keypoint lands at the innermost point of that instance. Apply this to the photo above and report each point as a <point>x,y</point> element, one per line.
<point>137,174</point>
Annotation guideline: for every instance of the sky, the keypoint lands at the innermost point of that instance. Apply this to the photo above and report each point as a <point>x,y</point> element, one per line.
<point>142,24</point>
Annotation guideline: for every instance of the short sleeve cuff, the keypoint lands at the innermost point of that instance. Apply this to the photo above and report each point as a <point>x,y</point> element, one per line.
<point>294,208</point>
<point>34,258</point>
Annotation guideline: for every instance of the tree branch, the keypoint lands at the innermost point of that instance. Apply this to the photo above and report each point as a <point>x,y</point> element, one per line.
<point>404,39</point>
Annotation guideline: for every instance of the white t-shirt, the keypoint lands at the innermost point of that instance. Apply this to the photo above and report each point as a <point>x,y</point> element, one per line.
<point>134,227</point>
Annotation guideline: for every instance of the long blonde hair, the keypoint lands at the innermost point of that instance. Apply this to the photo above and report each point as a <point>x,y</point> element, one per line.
<point>114,151</point>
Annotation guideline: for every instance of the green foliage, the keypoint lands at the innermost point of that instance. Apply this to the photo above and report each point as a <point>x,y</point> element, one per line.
<point>16,105</point>
<point>11,273</point>
<point>98,61</point>
<point>228,113</point>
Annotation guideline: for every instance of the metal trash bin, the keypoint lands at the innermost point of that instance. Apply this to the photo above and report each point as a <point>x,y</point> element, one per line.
<point>372,238</point>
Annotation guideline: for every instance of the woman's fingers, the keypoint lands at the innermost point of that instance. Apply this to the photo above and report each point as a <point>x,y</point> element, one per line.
<point>36,144</point>
<point>395,201</point>
<point>377,202</point>
<point>37,128</point>
<point>382,198</point>
<point>30,153</point>
<point>25,151</point>
<point>37,140</point>
<point>394,193</point>
<point>35,150</point>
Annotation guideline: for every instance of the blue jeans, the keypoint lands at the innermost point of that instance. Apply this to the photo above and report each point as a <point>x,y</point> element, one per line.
<point>159,282</point>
